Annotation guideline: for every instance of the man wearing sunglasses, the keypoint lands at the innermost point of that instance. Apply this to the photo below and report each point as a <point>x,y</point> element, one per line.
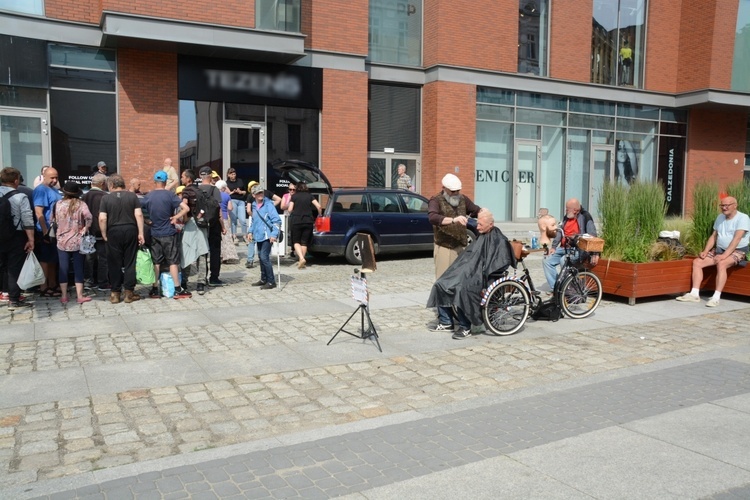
<point>726,247</point>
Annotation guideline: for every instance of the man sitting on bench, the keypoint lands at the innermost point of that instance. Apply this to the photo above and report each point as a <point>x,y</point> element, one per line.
<point>726,247</point>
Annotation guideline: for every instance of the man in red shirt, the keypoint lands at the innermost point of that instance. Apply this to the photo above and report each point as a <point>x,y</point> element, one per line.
<point>576,221</point>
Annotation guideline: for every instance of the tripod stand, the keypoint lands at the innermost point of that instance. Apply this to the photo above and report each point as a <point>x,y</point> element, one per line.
<point>363,334</point>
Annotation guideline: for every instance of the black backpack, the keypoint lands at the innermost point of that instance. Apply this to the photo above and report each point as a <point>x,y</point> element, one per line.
<point>206,209</point>
<point>548,311</point>
<point>6,219</point>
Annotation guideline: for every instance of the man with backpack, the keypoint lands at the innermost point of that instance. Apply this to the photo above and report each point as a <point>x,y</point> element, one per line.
<point>210,203</point>
<point>16,235</point>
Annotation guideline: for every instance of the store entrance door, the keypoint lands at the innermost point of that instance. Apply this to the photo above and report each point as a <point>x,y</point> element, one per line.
<point>527,160</point>
<point>602,171</point>
<point>244,149</point>
<point>24,142</point>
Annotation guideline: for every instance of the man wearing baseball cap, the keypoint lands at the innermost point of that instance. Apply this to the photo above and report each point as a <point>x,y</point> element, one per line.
<point>449,212</point>
<point>165,210</point>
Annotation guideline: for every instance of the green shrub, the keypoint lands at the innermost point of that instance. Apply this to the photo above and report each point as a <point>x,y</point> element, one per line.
<point>613,209</point>
<point>740,191</point>
<point>631,219</point>
<point>705,211</point>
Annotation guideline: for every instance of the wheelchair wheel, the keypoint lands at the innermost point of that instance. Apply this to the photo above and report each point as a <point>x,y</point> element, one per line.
<point>506,309</point>
<point>580,294</point>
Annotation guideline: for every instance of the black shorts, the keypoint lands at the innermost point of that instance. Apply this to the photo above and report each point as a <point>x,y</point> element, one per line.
<point>302,234</point>
<point>165,250</point>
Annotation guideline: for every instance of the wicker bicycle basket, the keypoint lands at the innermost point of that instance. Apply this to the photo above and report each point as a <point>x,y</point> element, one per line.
<point>591,244</point>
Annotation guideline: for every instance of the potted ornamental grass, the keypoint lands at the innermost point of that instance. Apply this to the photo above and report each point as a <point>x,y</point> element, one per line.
<point>633,263</point>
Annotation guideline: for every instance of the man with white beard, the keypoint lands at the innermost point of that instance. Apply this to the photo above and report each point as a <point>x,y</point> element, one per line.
<point>449,211</point>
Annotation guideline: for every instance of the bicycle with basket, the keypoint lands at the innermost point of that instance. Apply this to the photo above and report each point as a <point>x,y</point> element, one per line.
<point>508,301</point>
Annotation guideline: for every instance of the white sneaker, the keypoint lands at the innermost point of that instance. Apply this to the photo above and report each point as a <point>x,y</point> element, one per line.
<point>688,297</point>
<point>441,328</point>
<point>712,302</point>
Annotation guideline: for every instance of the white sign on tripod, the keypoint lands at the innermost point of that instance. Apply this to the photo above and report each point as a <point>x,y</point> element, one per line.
<point>359,289</point>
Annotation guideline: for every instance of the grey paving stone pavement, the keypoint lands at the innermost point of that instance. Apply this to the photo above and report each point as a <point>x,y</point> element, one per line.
<point>235,394</point>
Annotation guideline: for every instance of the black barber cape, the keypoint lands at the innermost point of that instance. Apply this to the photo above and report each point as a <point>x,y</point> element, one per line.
<point>462,283</point>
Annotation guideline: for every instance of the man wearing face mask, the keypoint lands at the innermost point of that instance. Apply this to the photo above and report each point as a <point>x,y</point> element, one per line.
<point>449,211</point>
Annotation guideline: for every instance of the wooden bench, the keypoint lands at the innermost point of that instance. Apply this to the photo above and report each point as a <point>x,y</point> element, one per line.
<point>738,280</point>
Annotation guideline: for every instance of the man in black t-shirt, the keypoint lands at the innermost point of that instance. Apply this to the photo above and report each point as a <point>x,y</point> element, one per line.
<point>121,224</point>
<point>96,263</point>
<point>237,192</point>
<point>215,229</point>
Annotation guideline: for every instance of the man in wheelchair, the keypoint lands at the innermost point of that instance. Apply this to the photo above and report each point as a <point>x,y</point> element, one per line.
<point>457,293</point>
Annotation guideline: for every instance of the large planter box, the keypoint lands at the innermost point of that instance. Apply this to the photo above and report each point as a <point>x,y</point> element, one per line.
<point>649,279</point>
<point>738,280</point>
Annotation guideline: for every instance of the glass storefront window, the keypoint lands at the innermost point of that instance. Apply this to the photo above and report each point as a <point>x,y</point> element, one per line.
<point>494,167</point>
<point>553,168</point>
<point>577,169</point>
<point>395,32</point>
<point>638,111</point>
<point>617,42</point>
<point>533,19</point>
<point>643,126</point>
<point>741,60</point>
<point>543,101</point>
<point>496,96</point>
<point>83,138</point>
<point>23,6</point>
<point>200,133</point>
<point>592,107</point>
<point>674,115</point>
<point>278,15</point>
<point>591,121</point>
<point>71,56</point>
<point>543,117</point>
<point>23,97</point>
<point>499,113</point>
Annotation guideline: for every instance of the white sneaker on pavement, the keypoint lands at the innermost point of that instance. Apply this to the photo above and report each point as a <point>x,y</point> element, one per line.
<point>688,297</point>
<point>712,302</point>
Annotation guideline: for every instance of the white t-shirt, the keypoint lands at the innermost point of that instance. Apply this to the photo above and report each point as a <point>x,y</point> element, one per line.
<point>725,229</point>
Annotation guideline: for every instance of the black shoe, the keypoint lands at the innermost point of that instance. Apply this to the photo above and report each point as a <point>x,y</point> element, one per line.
<point>249,265</point>
<point>216,282</point>
<point>182,294</point>
<point>13,306</point>
<point>104,288</point>
<point>201,289</point>
<point>462,334</point>
<point>259,283</point>
<point>154,293</point>
<point>268,286</point>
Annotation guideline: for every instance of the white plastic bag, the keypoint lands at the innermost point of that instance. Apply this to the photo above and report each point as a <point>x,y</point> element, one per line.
<point>31,273</point>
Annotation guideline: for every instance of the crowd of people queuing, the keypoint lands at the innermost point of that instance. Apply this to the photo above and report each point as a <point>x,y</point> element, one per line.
<point>190,224</point>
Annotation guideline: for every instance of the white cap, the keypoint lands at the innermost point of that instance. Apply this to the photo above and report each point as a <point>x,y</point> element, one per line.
<point>451,182</point>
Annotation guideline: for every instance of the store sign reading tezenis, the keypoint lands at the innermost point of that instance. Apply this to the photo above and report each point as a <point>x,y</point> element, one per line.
<point>250,83</point>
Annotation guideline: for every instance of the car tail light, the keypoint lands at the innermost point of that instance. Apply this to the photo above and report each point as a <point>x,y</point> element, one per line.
<point>323,224</point>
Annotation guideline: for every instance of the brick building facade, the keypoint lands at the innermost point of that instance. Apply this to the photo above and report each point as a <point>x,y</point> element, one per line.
<point>527,102</point>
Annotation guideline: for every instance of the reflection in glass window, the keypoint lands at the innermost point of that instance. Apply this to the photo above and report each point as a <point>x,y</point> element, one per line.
<point>532,36</point>
<point>83,138</point>
<point>279,15</point>
<point>741,62</point>
<point>617,42</point>
<point>24,6</point>
<point>200,133</point>
<point>81,57</point>
<point>396,32</point>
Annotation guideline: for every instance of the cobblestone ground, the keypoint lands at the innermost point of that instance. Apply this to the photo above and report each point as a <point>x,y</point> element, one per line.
<point>64,437</point>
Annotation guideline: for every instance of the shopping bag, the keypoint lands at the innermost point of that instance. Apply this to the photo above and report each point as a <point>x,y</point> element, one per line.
<point>168,287</point>
<point>31,273</point>
<point>144,267</point>
<point>88,244</point>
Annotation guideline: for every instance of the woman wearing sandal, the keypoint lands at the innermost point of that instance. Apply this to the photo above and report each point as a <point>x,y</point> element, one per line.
<point>73,220</point>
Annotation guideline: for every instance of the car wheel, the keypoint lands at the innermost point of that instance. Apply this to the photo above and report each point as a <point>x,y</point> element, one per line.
<point>353,252</point>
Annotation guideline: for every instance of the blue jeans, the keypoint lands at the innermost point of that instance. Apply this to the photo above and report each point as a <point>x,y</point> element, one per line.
<point>550,266</point>
<point>445,317</point>
<point>238,214</point>
<point>266,268</point>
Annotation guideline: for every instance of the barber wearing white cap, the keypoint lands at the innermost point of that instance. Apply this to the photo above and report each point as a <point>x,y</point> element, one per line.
<point>449,211</point>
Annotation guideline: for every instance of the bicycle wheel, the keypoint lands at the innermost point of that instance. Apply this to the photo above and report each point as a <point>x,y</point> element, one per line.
<point>580,294</point>
<point>506,309</point>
